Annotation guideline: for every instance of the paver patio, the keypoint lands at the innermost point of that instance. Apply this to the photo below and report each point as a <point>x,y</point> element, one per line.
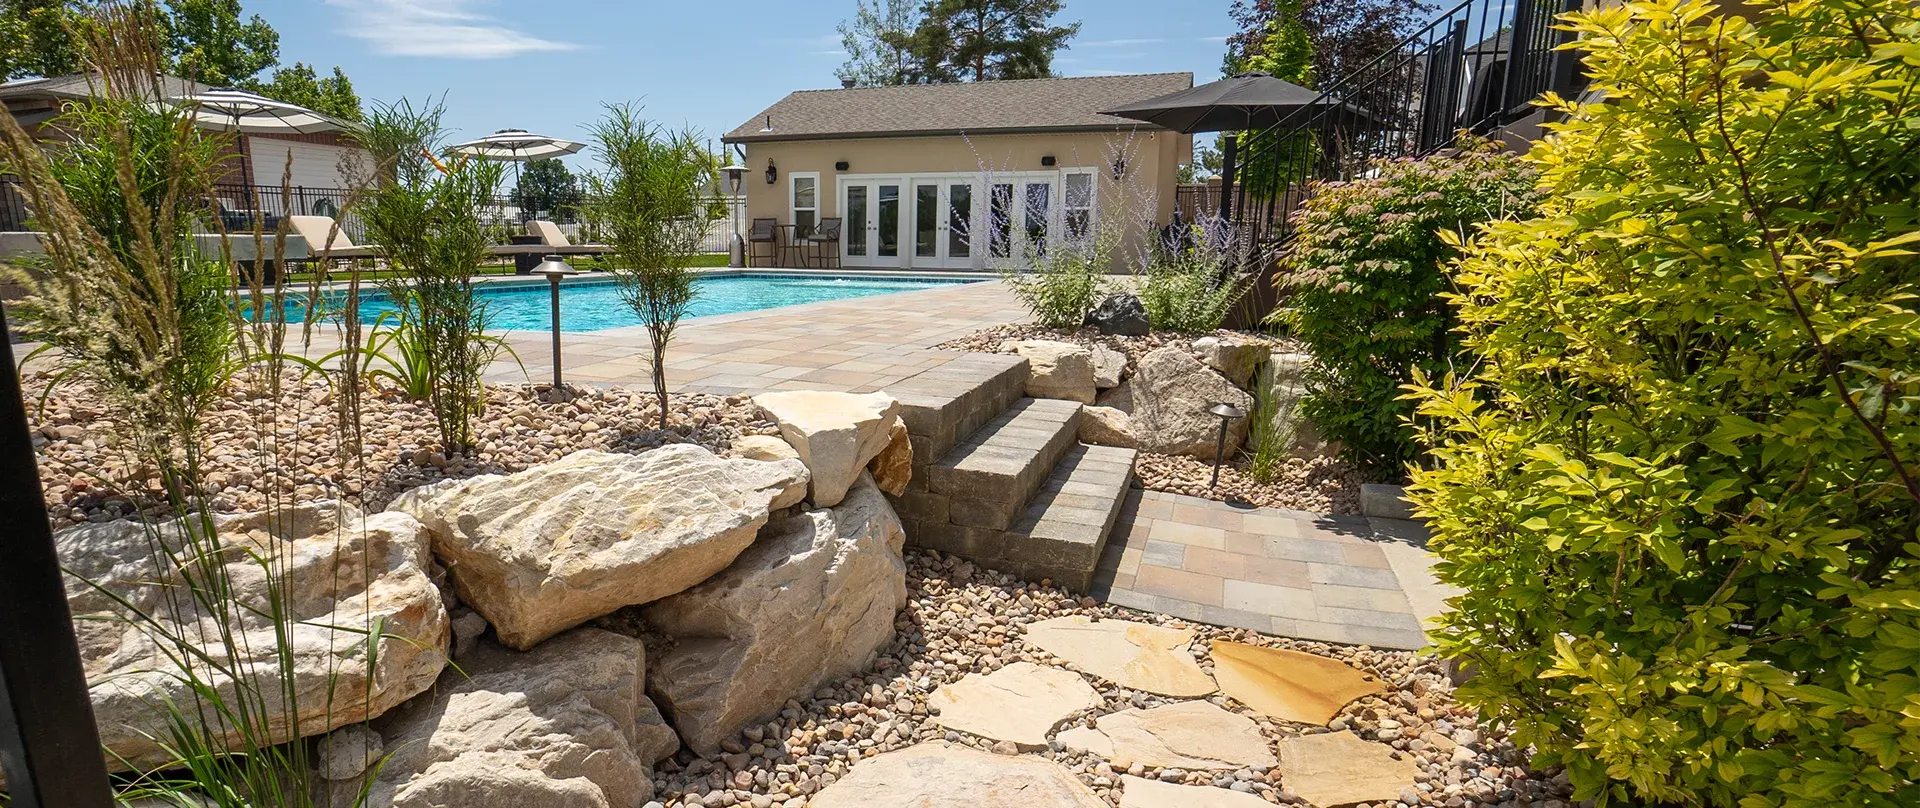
<point>1349,579</point>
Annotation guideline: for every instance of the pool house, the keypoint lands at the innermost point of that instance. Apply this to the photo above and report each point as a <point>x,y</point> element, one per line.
<point>951,176</point>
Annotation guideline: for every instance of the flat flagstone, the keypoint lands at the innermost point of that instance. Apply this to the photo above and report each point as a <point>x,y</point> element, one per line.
<point>1289,685</point>
<point>1086,739</point>
<point>1139,792</point>
<point>1021,703</point>
<point>1129,654</point>
<point>1338,768</point>
<point>942,775</point>
<point>1187,735</point>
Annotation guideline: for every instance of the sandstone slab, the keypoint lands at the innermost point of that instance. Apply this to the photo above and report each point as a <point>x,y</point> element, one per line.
<point>764,447</point>
<point>1289,685</point>
<point>1139,792</point>
<point>835,434</point>
<point>1168,398</point>
<point>1185,735</point>
<point>1235,357</point>
<point>812,600</point>
<point>1060,370</point>
<point>1021,702</point>
<point>892,468</point>
<point>1338,768</point>
<point>942,775</point>
<point>546,549</point>
<point>338,573</point>
<point>1129,654</point>
<point>566,724</point>
<point>1106,426</point>
<point>1109,367</point>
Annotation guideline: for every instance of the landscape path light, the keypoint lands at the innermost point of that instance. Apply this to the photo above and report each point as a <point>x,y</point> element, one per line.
<point>556,269</point>
<point>1226,413</point>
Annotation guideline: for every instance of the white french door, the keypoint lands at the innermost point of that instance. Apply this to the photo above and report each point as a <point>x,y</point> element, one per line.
<point>953,221</point>
<point>872,211</point>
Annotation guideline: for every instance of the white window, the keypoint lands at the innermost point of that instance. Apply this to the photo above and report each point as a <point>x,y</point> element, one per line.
<point>803,199</point>
<point>1078,204</point>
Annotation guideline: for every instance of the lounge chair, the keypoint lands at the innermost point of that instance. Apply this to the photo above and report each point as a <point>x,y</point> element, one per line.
<point>556,242</point>
<point>826,233</point>
<point>327,241</point>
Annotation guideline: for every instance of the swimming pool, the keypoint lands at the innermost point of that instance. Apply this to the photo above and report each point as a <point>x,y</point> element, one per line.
<point>593,303</point>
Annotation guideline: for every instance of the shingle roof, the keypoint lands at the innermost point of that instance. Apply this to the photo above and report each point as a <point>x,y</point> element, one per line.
<point>80,85</point>
<point>1027,105</point>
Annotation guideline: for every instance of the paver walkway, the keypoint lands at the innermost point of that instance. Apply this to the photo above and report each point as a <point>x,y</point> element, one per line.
<point>1348,579</point>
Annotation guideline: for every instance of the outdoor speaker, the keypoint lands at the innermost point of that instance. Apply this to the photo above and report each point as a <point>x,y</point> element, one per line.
<point>1047,161</point>
<point>840,166</point>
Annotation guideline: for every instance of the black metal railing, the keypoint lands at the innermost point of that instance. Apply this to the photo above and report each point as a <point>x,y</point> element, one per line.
<point>1475,68</point>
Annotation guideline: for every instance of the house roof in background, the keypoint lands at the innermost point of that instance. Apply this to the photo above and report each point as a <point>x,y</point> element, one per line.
<point>80,85</point>
<point>1026,105</point>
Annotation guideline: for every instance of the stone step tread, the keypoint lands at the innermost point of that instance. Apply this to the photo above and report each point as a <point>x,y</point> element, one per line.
<point>1082,498</point>
<point>1020,433</point>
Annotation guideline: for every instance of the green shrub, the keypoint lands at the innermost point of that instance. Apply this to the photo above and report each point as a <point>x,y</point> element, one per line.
<point>1192,290</point>
<point>1060,286</point>
<point>1362,288</point>
<point>1680,492</point>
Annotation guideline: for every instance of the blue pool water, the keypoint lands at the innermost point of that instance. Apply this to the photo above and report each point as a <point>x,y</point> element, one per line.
<point>593,303</point>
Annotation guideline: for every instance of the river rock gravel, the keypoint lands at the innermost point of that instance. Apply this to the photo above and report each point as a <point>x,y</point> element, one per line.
<point>961,619</point>
<point>260,447</point>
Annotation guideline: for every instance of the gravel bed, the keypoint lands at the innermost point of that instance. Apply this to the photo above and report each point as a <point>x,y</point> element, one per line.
<point>995,339</point>
<point>259,447</point>
<point>960,620</point>
<point>1317,484</point>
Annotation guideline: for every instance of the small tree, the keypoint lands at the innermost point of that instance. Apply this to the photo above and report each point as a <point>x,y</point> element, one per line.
<point>547,185</point>
<point>428,218</point>
<point>650,204</point>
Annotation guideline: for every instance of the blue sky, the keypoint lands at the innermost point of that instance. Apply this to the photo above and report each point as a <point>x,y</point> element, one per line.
<point>547,66</point>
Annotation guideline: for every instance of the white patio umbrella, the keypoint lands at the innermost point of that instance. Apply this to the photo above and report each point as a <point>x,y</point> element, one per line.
<point>229,110</point>
<point>518,146</point>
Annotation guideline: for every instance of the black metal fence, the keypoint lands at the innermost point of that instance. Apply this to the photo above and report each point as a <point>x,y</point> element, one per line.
<point>1476,68</point>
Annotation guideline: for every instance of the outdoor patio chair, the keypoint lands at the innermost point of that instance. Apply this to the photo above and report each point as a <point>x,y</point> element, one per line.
<point>826,233</point>
<point>557,242</point>
<point>764,231</point>
<point>317,230</point>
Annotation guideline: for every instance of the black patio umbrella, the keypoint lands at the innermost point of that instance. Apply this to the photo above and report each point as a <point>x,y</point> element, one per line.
<point>1247,102</point>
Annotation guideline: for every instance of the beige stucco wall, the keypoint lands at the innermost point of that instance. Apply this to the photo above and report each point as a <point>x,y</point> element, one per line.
<point>1153,161</point>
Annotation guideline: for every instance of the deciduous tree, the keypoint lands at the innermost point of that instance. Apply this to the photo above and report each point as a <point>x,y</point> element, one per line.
<point>299,84</point>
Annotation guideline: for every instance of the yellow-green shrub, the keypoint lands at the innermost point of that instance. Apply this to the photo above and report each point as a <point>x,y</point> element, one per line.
<point>1679,492</point>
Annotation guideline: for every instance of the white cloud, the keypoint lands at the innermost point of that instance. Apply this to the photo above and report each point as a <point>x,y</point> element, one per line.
<point>446,29</point>
<point>1116,43</point>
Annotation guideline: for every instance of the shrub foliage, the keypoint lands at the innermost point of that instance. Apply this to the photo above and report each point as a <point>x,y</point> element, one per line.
<point>1363,286</point>
<point>1680,493</point>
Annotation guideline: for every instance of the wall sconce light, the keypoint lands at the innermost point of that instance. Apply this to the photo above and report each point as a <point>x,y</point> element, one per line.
<point>773,174</point>
<point>1047,161</point>
<point>1119,167</point>
<point>840,166</point>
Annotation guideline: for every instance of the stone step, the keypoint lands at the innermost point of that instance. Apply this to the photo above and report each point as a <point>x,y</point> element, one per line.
<point>989,478</point>
<point>943,405</point>
<point>1065,527</point>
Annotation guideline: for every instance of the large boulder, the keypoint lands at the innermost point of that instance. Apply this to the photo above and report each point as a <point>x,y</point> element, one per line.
<point>1282,380</point>
<point>1106,426</point>
<point>566,724</point>
<point>546,549</point>
<point>836,434</point>
<point>1168,398</point>
<point>1060,370</point>
<point>1120,315</point>
<point>1109,367</point>
<point>338,575</point>
<point>812,600</point>
<point>1233,355</point>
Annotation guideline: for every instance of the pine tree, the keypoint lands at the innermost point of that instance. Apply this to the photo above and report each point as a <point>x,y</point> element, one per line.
<point>879,42</point>
<point>982,40</point>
